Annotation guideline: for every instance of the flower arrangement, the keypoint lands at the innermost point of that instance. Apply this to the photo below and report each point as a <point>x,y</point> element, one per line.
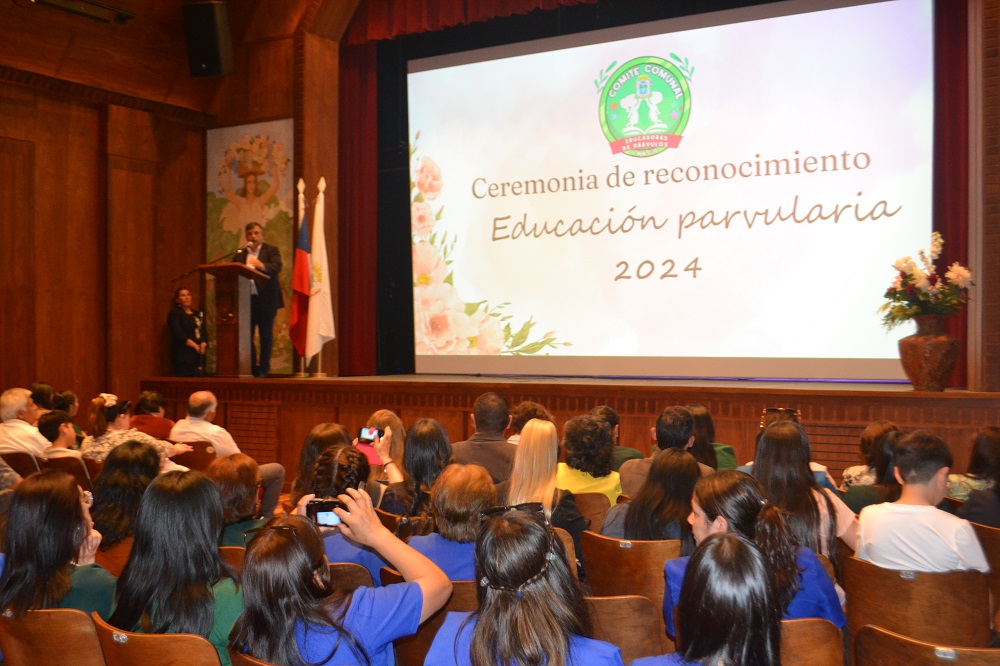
<point>444,322</point>
<point>919,290</point>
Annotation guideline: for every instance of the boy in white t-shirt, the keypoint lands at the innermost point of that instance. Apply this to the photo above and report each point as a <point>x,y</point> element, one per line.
<point>911,533</point>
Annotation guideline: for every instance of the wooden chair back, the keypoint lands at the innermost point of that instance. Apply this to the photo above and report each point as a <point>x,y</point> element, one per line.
<point>349,576</point>
<point>21,462</point>
<point>200,458</point>
<point>954,503</point>
<point>620,566</point>
<point>812,641</point>
<point>72,466</point>
<point>594,507</point>
<point>57,637</point>
<point>950,608</point>
<point>989,539</point>
<point>94,467</point>
<point>412,650</point>
<point>566,539</point>
<point>389,520</point>
<point>233,555</point>
<point>874,645</point>
<point>125,648</point>
<point>632,623</point>
<point>240,659</point>
<point>623,499</point>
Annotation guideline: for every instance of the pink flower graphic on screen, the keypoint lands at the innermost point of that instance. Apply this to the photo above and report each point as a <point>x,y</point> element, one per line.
<point>443,322</point>
<point>421,219</point>
<point>429,179</point>
<point>488,340</point>
<point>442,327</point>
<point>428,265</point>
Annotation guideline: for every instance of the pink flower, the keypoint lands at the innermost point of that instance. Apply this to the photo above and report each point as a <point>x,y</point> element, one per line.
<point>959,275</point>
<point>428,265</point>
<point>429,179</point>
<point>488,338</point>
<point>421,219</point>
<point>440,322</point>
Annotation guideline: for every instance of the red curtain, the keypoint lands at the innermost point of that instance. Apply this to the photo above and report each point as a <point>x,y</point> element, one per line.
<point>951,153</point>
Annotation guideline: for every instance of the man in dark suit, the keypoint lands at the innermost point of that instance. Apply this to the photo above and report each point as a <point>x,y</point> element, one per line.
<point>488,447</point>
<point>265,299</point>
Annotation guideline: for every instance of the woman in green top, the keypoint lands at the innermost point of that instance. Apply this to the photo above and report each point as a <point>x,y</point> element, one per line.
<point>175,581</point>
<point>237,477</point>
<point>705,449</point>
<point>50,547</point>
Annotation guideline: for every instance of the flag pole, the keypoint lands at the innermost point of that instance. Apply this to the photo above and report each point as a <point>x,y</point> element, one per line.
<point>301,374</point>
<point>321,209</point>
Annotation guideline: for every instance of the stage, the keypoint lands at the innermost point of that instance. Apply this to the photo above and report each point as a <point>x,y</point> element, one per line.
<point>269,418</point>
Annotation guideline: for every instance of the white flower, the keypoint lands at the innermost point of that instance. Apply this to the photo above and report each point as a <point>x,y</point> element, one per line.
<point>959,275</point>
<point>905,265</point>
<point>936,244</point>
<point>920,280</point>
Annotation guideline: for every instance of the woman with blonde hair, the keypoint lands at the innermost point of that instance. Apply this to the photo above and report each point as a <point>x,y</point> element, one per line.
<point>533,479</point>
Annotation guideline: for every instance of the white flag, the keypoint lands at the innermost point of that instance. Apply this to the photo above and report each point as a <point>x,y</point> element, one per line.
<point>319,329</point>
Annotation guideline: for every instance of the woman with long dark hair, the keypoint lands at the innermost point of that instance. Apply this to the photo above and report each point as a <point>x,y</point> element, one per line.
<point>731,501</point>
<point>984,465</point>
<point>870,444</point>
<point>983,506</point>
<point>729,613</point>
<point>175,580</point>
<point>886,488</point>
<point>49,547</point>
<point>427,451</point>
<point>292,614</point>
<point>703,449</point>
<point>321,438</point>
<point>128,470</point>
<point>188,336</point>
<point>816,515</point>
<point>531,608</point>
<point>661,508</point>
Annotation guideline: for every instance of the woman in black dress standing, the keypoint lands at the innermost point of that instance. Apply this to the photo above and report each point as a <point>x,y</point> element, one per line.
<point>188,335</point>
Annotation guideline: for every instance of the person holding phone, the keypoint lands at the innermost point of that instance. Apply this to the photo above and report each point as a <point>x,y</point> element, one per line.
<point>314,624</point>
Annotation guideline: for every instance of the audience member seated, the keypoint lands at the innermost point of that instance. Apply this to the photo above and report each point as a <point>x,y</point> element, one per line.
<point>459,496</point>
<point>57,428</point>
<point>427,451</point>
<point>911,533</point>
<point>41,395</point>
<point>870,446</point>
<point>816,515</point>
<point>386,421</point>
<point>109,427</point>
<point>771,415</point>
<point>531,608</point>
<point>523,412</point>
<point>983,506</point>
<point>148,417</point>
<point>984,465</point>
<point>198,426</point>
<point>488,447</point>
<point>49,545</point>
<point>8,477</point>
<point>17,434</point>
<point>238,478</point>
<point>127,472</point>
<point>729,612</point>
<point>533,479</point>
<point>731,501</point>
<point>175,558</point>
<point>321,438</point>
<point>589,449</point>
<point>674,429</point>
<point>66,401</point>
<point>661,508</point>
<point>337,470</point>
<point>704,438</point>
<point>316,625</point>
<point>622,453</point>
<point>886,488</point>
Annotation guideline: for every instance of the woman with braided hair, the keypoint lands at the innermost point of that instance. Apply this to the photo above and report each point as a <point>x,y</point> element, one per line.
<point>531,608</point>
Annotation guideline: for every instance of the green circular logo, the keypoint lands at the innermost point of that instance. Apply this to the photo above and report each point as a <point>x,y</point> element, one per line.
<point>645,106</point>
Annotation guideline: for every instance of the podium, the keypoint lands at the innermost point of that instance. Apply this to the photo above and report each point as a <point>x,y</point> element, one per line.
<point>232,317</point>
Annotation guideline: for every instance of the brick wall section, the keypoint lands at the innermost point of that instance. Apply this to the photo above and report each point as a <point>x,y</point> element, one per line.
<point>254,426</point>
<point>988,281</point>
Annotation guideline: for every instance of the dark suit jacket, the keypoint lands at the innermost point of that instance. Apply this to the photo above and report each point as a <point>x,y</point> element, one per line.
<point>268,290</point>
<point>496,454</point>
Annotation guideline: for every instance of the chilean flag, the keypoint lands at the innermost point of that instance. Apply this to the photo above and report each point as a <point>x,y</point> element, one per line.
<point>301,288</point>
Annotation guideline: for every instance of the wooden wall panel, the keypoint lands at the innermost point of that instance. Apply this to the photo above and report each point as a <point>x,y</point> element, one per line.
<point>833,419</point>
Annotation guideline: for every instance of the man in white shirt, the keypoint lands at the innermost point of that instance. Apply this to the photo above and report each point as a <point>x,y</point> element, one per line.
<point>57,428</point>
<point>911,533</point>
<point>18,412</point>
<point>198,426</point>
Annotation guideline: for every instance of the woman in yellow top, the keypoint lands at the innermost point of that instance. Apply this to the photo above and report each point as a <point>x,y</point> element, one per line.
<point>589,450</point>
